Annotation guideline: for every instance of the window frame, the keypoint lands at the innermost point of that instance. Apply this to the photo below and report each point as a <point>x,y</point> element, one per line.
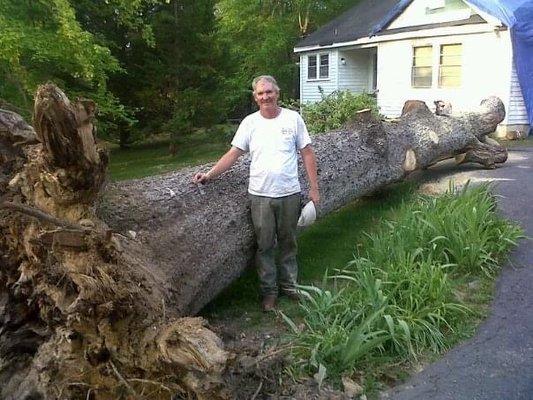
<point>309,58</point>
<point>458,65</point>
<point>318,66</point>
<point>415,67</point>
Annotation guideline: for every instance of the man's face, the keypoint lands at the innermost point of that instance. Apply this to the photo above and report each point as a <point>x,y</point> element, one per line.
<point>266,96</point>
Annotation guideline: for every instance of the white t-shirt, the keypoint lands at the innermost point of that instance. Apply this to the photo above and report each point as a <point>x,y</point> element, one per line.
<point>273,144</point>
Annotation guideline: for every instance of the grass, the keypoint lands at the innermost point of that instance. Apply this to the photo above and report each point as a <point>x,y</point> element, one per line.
<point>146,159</point>
<point>408,290</point>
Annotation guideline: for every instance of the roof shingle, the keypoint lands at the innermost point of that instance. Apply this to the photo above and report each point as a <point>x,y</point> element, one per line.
<point>355,23</point>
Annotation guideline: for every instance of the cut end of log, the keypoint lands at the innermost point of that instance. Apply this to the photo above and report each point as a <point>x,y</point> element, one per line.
<point>412,106</point>
<point>410,163</point>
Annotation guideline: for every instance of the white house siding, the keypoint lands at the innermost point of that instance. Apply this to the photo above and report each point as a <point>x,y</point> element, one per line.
<point>516,112</point>
<point>419,12</point>
<point>356,72</point>
<point>309,89</point>
<point>486,62</point>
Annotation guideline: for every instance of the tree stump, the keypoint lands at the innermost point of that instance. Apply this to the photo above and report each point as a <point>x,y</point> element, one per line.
<point>81,318</point>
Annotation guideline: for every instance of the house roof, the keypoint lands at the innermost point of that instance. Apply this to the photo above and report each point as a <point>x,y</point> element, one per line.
<point>474,19</point>
<point>357,22</point>
<point>369,18</point>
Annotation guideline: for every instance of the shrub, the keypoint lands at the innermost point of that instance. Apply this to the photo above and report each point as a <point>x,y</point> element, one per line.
<point>336,109</point>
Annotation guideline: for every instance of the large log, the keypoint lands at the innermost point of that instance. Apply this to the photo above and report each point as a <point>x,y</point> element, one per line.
<point>199,238</point>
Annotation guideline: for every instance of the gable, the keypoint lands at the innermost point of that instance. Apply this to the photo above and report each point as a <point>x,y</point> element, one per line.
<point>424,12</point>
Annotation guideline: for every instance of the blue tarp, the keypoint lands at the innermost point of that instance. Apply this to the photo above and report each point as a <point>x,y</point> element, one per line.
<point>518,16</point>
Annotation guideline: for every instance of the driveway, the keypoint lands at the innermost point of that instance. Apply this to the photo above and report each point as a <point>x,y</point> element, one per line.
<point>497,363</point>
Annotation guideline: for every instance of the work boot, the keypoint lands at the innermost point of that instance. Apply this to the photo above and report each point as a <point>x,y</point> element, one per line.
<point>269,302</point>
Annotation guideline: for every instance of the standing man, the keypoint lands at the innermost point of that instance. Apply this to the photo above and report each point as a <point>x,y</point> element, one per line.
<point>273,136</point>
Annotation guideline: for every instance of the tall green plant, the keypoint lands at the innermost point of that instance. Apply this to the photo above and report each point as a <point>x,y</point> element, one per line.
<point>396,298</point>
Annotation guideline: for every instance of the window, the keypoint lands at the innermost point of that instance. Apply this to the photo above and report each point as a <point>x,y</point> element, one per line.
<point>324,66</point>
<point>422,67</point>
<point>318,63</point>
<point>450,65</point>
<point>311,67</point>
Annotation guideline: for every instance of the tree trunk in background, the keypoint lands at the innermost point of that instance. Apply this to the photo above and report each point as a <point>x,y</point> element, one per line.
<point>198,239</point>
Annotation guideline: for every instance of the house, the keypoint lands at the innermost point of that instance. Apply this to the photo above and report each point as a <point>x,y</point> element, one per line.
<point>425,50</point>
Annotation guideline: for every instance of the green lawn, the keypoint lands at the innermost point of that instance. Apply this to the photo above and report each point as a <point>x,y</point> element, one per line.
<point>146,159</point>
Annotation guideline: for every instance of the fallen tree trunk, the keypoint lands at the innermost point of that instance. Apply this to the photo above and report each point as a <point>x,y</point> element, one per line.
<point>199,238</point>
<point>89,306</point>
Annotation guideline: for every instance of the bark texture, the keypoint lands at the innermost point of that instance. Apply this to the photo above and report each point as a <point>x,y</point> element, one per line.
<point>200,238</point>
<point>80,318</point>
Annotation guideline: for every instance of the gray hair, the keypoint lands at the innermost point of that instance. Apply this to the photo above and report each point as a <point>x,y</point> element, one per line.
<point>266,78</point>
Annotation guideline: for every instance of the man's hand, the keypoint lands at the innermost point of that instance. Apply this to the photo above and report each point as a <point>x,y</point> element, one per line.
<point>222,165</point>
<point>314,195</point>
<point>200,177</point>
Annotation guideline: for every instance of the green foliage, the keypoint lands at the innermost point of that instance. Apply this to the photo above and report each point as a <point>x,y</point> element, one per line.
<point>396,298</point>
<point>173,62</point>
<point>42,41</point>
<point>459,229</point>
<point>261,35</point>
<point>154,65</point>
<point>336,109</point>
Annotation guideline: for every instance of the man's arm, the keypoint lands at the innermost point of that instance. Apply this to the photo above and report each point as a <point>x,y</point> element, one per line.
<point>222,165</point>
<point>309,159</point>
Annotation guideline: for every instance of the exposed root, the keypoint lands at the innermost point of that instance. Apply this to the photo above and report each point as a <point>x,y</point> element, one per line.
<point>81,317</point>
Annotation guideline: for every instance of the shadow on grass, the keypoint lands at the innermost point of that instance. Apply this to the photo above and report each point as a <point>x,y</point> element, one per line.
<point>328,244</point>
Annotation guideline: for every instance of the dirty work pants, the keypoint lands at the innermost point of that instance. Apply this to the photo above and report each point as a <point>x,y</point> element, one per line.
<point>275,220</point>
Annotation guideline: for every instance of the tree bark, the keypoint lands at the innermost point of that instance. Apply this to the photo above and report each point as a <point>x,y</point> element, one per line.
<point>200,238</point>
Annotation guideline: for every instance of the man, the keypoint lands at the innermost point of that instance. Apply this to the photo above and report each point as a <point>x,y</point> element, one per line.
<point>273,136</point>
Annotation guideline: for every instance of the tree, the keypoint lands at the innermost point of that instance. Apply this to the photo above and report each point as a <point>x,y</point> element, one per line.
<point>171,59</point>
<point>89,308</point>
<point>261,35</point>
<point>42,41</point>
<point>202,236</point>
